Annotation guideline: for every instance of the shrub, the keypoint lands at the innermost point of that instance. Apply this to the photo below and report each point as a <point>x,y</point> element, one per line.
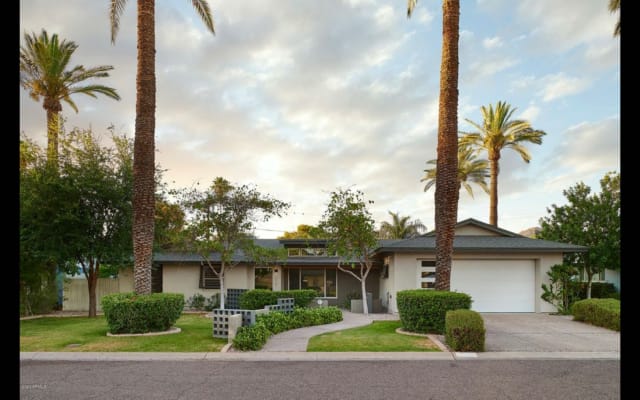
<point>599,290</point>
<point>258,298</point>
<point>132,313</point>
<point>212,302</point>
<point>254,337</point>
<point>349,297</point>
<point>196,302</point>
<point>251,337</point>
<point>464,330</point>
<point>424,310</point>
<point>599,312</point>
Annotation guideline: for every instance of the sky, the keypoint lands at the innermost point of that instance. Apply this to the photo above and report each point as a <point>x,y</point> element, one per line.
<point>302,97</point>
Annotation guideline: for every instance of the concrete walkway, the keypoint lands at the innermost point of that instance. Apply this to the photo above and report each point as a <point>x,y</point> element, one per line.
<point>298,339</point>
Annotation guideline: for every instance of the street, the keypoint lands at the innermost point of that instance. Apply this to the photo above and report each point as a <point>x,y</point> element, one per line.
<point>432,379</point>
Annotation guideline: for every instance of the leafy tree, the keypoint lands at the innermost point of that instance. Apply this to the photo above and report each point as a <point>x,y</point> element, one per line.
<point>144,143</point>
<point>400,227</point>
<point>497,132</point>
<point>80,214</point>
<point>614,5</point>
<point>169,225</point>
<point>591,220</point>
<point>43,72</point>
<point>303,231</point>
<point>446,193</point>
<point>349,228</point>
<point>560,292</point>
<point>470,170</point>
<point>221,219</point>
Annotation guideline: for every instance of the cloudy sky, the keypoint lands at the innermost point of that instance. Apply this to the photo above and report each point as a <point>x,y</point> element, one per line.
<point>300,97</point>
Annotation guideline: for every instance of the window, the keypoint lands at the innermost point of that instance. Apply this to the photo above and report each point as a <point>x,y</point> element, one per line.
<point>307,251</point>
<point>426,274</point>
<point>323,280</point>
<point>208,279</point>
<point>263,278</point>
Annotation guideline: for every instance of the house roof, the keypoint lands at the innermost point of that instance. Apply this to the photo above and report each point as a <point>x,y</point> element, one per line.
<point>504,242</point>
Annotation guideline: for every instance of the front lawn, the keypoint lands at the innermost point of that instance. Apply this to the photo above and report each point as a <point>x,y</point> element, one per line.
<point>90,334</point>
<point>378,336</point>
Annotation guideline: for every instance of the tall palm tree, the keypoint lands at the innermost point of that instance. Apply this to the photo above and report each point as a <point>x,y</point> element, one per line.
<point>446,196</point>
<point>614,5</point>
<point>144,142</point>
<point>498,132</point>
<point>43,72</point>
<point>401,227</point>
<point>470,170</point>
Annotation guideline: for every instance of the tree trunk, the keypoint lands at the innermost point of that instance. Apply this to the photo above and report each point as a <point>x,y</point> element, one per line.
<point>365,306</point>
<point>92,282</point>
<point>53,129</point>
<point>446,193</point>
<point>589,281</point>
<point>221,289</point>
<point>144,149</point>
<point>494,160</point>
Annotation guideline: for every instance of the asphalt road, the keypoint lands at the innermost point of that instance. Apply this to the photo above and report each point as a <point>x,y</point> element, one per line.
<point>466,379</point>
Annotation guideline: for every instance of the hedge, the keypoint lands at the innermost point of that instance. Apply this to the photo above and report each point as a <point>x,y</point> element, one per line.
<point>256,299</point>
<point>424,310</point>
<point>464,330</point>
<point>599,290</point>
<point>254,337</point>
<point>599,312</point>
<point>133,313</point>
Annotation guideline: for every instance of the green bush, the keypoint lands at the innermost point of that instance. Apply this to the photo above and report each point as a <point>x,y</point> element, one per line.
<point>255,336</point>
<point>599,312</point>
<point>256,299</point>
<point>251,337</point>
<point>464,330</point>
<point>599,290</point>
<point>196,302</point>
<point>424,310</point>
<point>212,302</point>
<point>132,313</point>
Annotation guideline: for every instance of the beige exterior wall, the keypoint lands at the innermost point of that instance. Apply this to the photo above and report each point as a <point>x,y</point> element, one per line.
<point>76,291</point>
<point>471,230</point>
<point>183,278</point>
<point>387,284</point>
<point>404,271</point>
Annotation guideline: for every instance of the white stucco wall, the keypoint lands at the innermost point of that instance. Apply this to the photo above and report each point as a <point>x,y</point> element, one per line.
<point>403,268</point>
<point>177,278</point>
<point>471,230</point>
<point>612,276</point>
<point>387,285</point>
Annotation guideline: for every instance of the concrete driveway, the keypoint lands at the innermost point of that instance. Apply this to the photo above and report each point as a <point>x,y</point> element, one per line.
<point>531,332</point>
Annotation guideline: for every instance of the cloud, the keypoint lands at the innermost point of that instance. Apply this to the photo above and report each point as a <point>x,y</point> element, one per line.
<point>492,42</point>
<point>559,85</point>
<point>530,113</point>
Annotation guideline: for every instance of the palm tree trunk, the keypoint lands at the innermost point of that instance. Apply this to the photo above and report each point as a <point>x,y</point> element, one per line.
<point>493,195</point>
<point>53,129</point>
<point>144,149</point>
<point>446,194</point>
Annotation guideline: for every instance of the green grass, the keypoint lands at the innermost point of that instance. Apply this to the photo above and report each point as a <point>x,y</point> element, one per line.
<point>90,334</point>
<point>378,336</point>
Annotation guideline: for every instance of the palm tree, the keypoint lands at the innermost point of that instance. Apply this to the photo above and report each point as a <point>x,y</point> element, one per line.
<point>43,72</point>
<point>614,5</point>
<point>470,170</point>
<point>401,227</point>
<point>498,132</point>
<point>144,143</point>
<point>446,193</point>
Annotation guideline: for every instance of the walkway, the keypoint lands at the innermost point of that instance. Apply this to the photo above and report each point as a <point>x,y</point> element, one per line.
<point>298,339</point>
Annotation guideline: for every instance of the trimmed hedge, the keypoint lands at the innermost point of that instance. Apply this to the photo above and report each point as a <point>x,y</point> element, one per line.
<point>599,312</point>
<point>132,313</point>
<point>254,337</point>
<point>599,290</point>
<point>256,299</point>
<point>464,330</point>
<point>424,311</point>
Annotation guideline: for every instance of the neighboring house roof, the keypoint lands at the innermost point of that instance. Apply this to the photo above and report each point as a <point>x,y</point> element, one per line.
<point>502,241</point>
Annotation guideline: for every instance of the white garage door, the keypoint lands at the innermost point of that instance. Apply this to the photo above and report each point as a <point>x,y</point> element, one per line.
<point>496,285</point>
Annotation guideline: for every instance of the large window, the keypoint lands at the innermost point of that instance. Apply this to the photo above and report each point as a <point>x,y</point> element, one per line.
<point>323,280</point>
<point>307,251</point>
<point>208,279</point>
<point>263,278</point>
<point>426,274</point>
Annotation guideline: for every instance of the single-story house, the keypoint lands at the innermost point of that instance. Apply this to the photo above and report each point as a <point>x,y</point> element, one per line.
<point>501,270</point>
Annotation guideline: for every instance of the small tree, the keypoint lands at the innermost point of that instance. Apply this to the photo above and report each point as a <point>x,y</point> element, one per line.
<point>591,220</point>
<point>81,214</point>
<point>221,220</point>
<point>349,228</point>
<point>560,292</point>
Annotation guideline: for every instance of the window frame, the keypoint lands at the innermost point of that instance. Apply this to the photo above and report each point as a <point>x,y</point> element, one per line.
<point>424,265</point>
<point>208,279</point>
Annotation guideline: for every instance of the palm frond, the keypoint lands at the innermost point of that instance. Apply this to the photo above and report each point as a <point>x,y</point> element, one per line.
<point>411,4</point>
<point>115,12</point>
<point>202,8</point>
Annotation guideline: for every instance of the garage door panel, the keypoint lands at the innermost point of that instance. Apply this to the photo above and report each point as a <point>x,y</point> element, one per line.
<point>496,285</point>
